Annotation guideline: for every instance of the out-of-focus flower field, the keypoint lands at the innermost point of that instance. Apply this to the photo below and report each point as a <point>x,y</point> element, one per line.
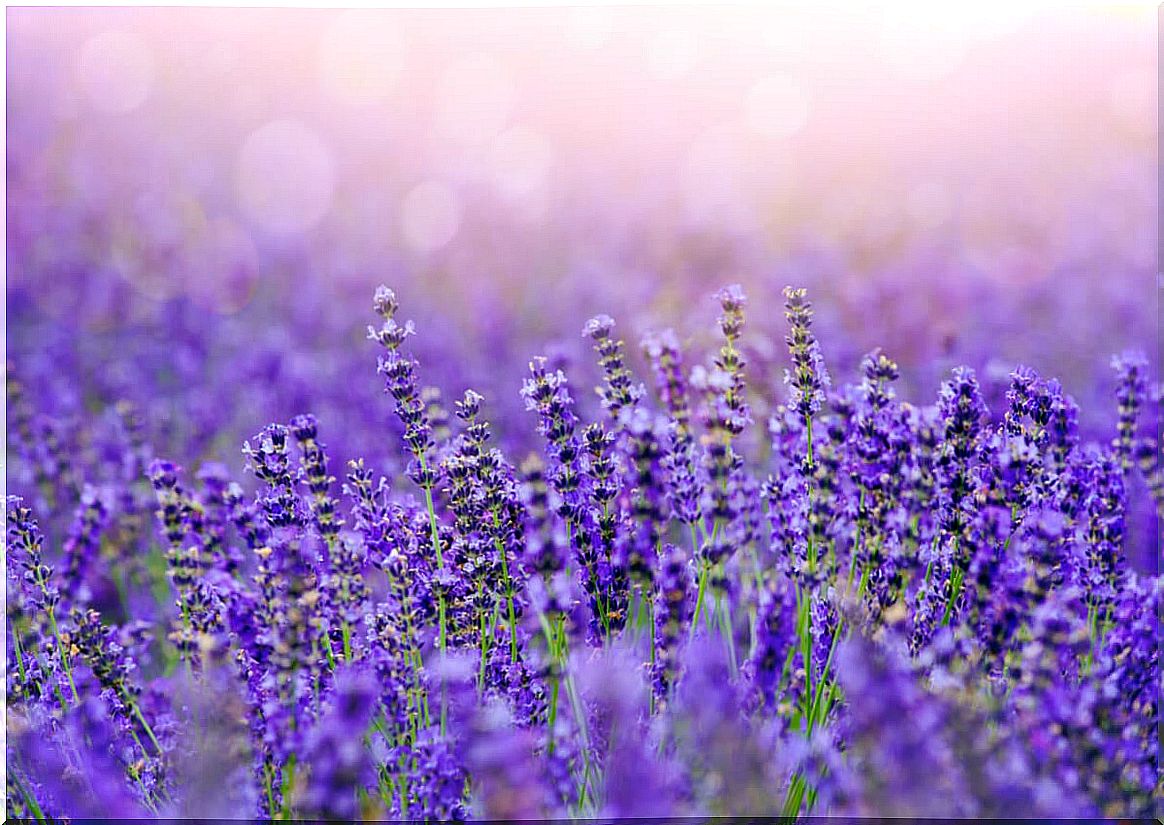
<point>285,543</point>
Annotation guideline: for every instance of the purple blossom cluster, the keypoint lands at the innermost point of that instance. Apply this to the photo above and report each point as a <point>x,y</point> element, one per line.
<point>704,595</point>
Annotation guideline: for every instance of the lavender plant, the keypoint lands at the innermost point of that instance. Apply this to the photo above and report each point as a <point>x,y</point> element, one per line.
<point>652,607</point>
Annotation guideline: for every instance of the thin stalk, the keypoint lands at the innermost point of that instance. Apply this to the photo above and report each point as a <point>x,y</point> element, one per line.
<point>432,520</point>
<point>651,622</point>
<point>327,649</point>
<point>19,655</point>
<point>804,630</point>
<point>704,573</point>
<point>552,711</point>
<point>856,542</point>
<point>793,798</point>
<point>436,545</point>
<point>724,609</point>
<point>559,647</point>
<point>444,702</point>
<point>29,799</point>
<point>580,718</point>
<point>508,584</point>
<point>813,711</point>
<point>956,578</point>
<point>125,697</point>
<point>551,644</point>
<point>288,786</point>
<point>346,630</point>
<point>864,582</point>
<point>64,657</point>
<point>483,645</point>
<point>268,769</point>
<point>787,666</point>
<point>403,790</point>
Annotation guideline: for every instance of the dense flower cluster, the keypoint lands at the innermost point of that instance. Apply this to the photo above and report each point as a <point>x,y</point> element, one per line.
<point>861,606</point>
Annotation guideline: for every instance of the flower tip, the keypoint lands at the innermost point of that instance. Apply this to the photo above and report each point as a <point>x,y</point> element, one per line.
<point>600,326</point>
<point>385,302</point>
<point>732,296</point>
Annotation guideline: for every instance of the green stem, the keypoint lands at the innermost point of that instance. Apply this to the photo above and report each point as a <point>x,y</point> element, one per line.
<point>432,519</point>
<point>483,646</point>
<point>19,655</point>
<point>787,667</point>
<point>444,704</point>
<point>404,789</point>
<point>64,657</point>
<point>808,437</point>
<point>814,715</point>
<point>724,609</point>
<point>804,624</point>
<point>856,541</point>
<point>552,711</point>
<point>651,621</point>
<point>559,649</point>
<point>419,699</point>
<point>704,573</point>
<point>288,786</point>
<point>864,582</point>
<point>508,584</point>
<point>146,796</point>
<point>186,634</point>
<point>327,649</point>
<point>29,799</point>
<point>956,577</point>
<point>795,795</point>
<point>125,697</point>
<point>436,545</point>
<point>268,769</point>
<point>580,718</point>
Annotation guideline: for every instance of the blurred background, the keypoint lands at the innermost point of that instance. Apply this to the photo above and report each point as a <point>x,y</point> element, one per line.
<point>201,201</point>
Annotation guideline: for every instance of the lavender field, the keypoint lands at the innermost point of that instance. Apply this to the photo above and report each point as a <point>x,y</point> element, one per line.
<point>582,413</point>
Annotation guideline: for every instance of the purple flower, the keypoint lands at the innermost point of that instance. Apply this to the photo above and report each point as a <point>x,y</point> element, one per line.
<point>313,473</point>
<point>673,608</point>
<point>75,770</point>
<point>400,381</point>
<point>337,762</point>
<point>905,770</point>
<point>679,459</point>
<point>271,464</point>
<point>26,566</point>
<point>644,443</point>
<point>620,391</point>
<point>808,379</point>
<point>507,780</point>
<point>772,664</point>
<point>1131,368</point>
<point>83,543</point>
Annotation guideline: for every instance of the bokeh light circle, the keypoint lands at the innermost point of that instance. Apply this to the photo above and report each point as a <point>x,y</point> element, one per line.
<point>475,99</point>
<point>115,71</point>
<point>285,177</point>
<point>520,160</point>
<point>776,107</point>
<point>360,57</point>
<point>430,215</point>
